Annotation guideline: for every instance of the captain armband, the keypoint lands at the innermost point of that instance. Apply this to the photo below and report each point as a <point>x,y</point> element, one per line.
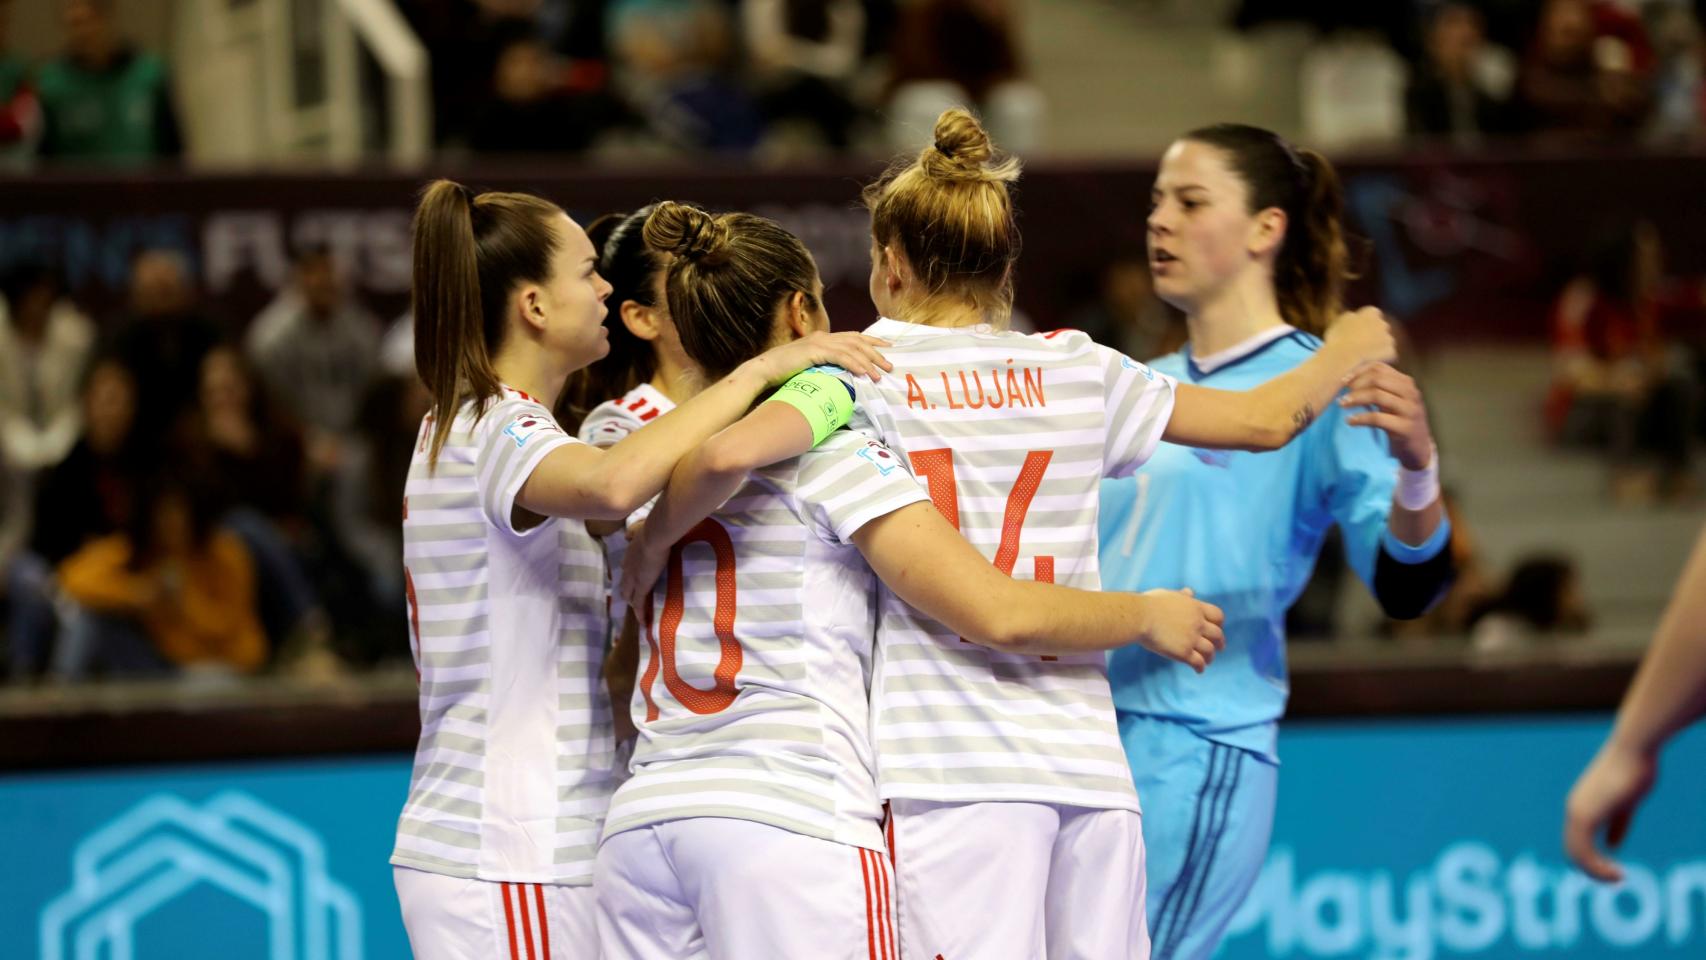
<point>825,401</point>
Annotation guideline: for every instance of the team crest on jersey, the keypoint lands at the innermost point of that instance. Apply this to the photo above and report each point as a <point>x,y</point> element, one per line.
<point>523,429</point>
<point>1131,364</point>
<point>880,456</point>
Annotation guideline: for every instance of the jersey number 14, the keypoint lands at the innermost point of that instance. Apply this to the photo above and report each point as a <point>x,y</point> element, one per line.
<point>937,468</point>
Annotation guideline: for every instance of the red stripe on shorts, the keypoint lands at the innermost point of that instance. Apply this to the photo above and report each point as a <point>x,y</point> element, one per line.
<point>509,919</point>
<point>526,925</point>
<point>883,913</point>
<point>870,920</point>
<point>544,928</point>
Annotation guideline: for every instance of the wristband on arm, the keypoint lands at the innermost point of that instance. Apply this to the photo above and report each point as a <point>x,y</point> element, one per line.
<point>1419,488</point>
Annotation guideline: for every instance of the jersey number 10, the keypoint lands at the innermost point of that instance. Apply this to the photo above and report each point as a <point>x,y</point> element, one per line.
<point>730,656</point>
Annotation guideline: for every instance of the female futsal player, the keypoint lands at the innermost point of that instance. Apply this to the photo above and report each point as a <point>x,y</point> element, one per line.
<point>1245,238</point>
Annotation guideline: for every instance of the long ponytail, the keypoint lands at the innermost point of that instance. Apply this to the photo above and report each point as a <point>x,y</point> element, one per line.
<point>1310,274</point>
<point>470,252</point>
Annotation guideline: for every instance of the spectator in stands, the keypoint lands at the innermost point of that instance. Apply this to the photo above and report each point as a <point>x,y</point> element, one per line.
<point>1584,76</point>
<point>255,456</point>
<point>1448,97</point>
<point>540,103</point>
<point>675,56</point>
<point>1679,75</point>
<point>1541,602</point>
<point>87,495</point>
<point>45,345</point>
<point>170,592</point>
<point>804,58</point>
<point>951,53</point>
<point>20,110</point>
<point>1619,384</point>
<point>317,349</point>
<point>163,340</point>
<point>104,100</point>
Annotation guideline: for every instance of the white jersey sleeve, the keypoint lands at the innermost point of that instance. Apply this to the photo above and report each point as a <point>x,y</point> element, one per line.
<point>849,480</point>
<point>612,420</point>
<point>1139,404</point>
<point>511,439</point>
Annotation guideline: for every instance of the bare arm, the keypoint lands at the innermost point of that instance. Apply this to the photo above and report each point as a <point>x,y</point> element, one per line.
<point>592,484</point>
<point>926,562</point>
<point>704,480</point>
<point>1669,693</point>
<point>1269,416</point>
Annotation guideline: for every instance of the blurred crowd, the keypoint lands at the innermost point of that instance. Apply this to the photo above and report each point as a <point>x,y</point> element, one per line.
<point>182,494</point>
<point>729,77</point>
<point>725,77</point>
<point>1469,72</point>
<point>785,78</point>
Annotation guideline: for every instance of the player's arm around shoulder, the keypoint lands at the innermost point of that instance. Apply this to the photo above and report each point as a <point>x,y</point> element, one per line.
<point>705,479</point>
<point>926,562</point>
<point>1270,416</point>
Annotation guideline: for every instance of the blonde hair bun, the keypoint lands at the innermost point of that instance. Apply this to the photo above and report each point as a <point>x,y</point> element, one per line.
<point>961,150</point>
<point>687,232</point>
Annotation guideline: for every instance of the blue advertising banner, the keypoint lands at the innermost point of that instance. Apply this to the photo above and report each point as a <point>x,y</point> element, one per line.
<point>273,861</point>
<point>1441,838</point>
<point>1394,841</point>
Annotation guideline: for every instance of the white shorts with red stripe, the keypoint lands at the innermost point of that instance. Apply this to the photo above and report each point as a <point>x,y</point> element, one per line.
<point>451,918</point>
<point>709,888</point>
<point>1018,881</point>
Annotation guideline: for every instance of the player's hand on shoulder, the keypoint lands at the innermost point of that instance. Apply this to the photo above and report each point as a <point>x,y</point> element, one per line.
<point>1366,334</point>
<point>856,353</point>
<point>1176,625</point>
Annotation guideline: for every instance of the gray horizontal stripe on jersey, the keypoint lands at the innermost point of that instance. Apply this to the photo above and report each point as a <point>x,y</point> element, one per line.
<point>456,658</point>
<point>438,801</point>
<point>442,771</point>
<point>438,834</point>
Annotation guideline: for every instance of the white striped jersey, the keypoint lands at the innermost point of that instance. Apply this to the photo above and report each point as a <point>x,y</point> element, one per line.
<point>513,772</point>
<point>1011,434</point>
<point>612,420</point>
<point>753,699</point>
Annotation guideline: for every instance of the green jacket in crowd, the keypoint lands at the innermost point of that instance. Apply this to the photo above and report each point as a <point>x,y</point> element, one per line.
<point>121,113</point>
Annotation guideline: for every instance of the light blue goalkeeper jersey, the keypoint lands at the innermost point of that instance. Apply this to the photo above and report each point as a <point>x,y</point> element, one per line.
<point>1242,530</point>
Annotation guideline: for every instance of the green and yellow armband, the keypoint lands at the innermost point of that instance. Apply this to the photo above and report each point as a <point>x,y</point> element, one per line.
<point>826,402</point>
